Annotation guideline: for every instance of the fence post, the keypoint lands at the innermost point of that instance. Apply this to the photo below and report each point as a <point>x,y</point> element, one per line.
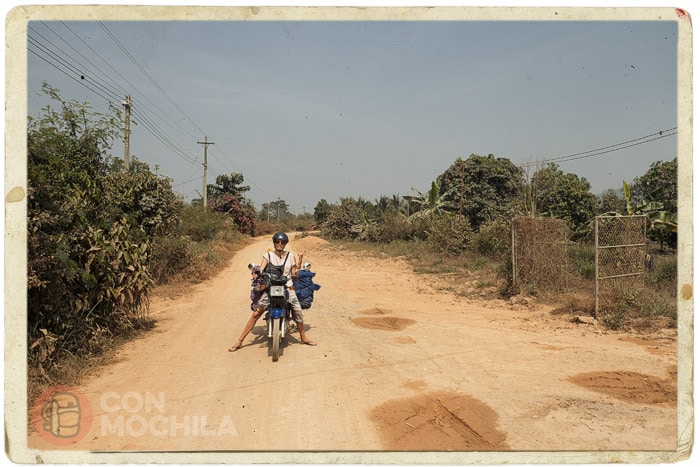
<point>512,252</point>
<point>596,264</point>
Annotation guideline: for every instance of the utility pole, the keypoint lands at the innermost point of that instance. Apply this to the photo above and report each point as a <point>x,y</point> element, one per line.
<point>206,144</point>
<point>461,196</point>
<point>127,118</point>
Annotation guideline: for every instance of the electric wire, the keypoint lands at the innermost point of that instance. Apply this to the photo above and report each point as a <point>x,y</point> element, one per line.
<point>135,62</point>
<point>92,84</point>
<point>95,69</point>
<point>72,70</point>
<point>155,108</point>
<point>187,181</point>
<point>150,78</point>
<point>69,75</point>
<point>606,149</point>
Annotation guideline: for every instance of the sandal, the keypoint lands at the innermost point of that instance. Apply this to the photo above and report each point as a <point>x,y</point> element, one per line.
<point>239,344</point>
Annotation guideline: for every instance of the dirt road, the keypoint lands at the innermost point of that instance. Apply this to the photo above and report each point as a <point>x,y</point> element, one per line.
<point>399,366</point>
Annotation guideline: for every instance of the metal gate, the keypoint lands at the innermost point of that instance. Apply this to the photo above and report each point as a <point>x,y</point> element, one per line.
<point>620,250</point>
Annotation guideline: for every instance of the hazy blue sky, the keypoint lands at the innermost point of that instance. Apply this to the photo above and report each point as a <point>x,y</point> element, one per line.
<point>311,110</point>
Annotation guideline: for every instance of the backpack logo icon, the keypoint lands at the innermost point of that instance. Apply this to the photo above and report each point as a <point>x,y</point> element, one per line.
<point>62,415</point>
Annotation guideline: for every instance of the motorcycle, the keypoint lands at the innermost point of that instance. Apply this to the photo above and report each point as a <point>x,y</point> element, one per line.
<point>279,315</point>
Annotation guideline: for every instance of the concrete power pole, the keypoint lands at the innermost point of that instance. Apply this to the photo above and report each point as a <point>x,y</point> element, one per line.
<point>127,118</point>
<point>206,144</point>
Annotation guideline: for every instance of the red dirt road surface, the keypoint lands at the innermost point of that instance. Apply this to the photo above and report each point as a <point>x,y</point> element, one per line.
<point>402,369</point>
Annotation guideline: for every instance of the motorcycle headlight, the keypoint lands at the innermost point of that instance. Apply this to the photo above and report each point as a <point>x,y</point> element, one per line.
<point>277,291</point>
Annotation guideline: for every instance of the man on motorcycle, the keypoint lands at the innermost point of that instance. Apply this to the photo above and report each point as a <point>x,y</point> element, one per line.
<point>277,258</point>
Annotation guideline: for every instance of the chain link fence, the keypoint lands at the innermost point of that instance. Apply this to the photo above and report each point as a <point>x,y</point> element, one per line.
<point>539,254</point>
<point>620,254</point>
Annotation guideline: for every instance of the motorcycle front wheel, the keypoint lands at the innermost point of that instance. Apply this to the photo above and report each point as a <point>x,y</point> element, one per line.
<point>276,323</point>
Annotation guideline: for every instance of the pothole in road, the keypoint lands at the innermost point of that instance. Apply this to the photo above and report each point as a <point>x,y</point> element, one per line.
<point>438,421</point>
<point>631,387</point>
<point>383,323</point>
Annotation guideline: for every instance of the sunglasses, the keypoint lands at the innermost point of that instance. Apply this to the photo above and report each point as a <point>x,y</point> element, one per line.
<point>280,242</point>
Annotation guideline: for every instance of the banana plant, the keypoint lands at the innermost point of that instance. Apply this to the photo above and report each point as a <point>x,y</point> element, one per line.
<point>430,204</point>
<point>654,210</point>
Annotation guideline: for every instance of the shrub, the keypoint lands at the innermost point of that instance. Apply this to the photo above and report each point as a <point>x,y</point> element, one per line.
<point>493,239</point>
<point>171,256</point>
<point>395,227</point>
<point>99,288</point>
<point>201,224</point>
<point>631,302</point>
<point>613,318</point>
<point>87,237</point>
<point>450,234</point>
<point>345,221</point>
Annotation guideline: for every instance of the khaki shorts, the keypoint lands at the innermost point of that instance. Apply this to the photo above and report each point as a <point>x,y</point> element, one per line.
<point>264,305</point>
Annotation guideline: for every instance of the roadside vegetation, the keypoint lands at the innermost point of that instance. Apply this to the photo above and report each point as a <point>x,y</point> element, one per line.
<point>102,239</point>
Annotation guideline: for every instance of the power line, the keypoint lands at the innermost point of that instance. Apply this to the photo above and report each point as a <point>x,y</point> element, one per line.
<point>607,149</point>
<point>96,69</point>
<point>69,75</point>
<point>135,62</point>
<point>150,78</point>
<point>187,181</point>
<point>90,77</point>
<point>67,66</point>
<point>165,117</point>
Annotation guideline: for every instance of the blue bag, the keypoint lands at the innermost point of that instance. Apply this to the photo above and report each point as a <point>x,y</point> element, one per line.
<point>305,287</point>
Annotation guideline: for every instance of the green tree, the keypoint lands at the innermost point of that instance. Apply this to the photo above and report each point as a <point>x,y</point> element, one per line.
<point>146,199</point>
<point>659,183</point>
<point>609,201</point>
<point>482,188</point>
<point>382,205</point>
<point>347,220</point>
<point>656,194</point>
<point>321,211</point>
<point>395,205</point>
<point>227,196</point>
<point>400,205</point>
<point>564,196</point>
<point>229,185</point>
<point>275,211</point>
<point>664,224</point>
